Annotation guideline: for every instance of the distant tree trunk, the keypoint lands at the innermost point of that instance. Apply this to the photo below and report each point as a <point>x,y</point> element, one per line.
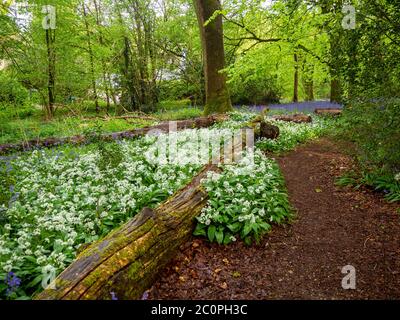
<point>309,89</point>
<point>308,80</point>
<point>144,58</point>
<point>129,86</point>
<point>335,36</point>
<point>296,79</point>
<point>217,95</point>
<point>89,43</point>
<point>51,60</point>
<point>103,63</point>
<point>336,91</point>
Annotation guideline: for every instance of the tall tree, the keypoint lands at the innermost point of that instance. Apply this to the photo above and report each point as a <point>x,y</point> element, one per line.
<point>51,60</point>
<point>296,78</point>
<point>90,51</point>
<point>211,31</point>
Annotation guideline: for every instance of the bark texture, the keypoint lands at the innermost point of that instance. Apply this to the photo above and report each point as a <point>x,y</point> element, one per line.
<point>330,111</point>
<point>211,31</point>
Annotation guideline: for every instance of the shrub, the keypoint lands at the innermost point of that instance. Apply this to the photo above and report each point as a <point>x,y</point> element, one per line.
<point>253,90</point>
<point>374,127</point>
<point>11,91</point>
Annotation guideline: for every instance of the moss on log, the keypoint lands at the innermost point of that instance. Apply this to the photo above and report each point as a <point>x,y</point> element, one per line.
<point>329,111</point>
<point>296,118</point>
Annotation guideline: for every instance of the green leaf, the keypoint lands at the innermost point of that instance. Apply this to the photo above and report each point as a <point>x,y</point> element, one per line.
<point>211,232</point>
<point>246,230</point>
<point>235,227</point>
<point>219,235</point>
<point>247,241</point>
<point>35,281</point>
<point>227,238</point>
<point>200,230</point>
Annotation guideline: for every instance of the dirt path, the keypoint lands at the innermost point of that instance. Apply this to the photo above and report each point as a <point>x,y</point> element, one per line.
<point>335,227</point>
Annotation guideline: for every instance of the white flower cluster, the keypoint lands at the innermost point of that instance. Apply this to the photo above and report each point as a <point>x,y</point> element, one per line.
<point>188,147</point>
<point>65,201</point>
<point>250,193</point>
<point>291,134</point>
<point>62,201</point>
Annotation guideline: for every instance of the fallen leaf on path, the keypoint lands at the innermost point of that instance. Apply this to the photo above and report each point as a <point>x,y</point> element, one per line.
<point>223,286</point>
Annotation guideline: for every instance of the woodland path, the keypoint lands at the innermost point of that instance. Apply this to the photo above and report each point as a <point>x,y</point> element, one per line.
<point>334,227</point>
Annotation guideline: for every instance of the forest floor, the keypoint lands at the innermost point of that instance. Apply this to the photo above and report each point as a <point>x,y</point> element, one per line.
<point>334,227</point>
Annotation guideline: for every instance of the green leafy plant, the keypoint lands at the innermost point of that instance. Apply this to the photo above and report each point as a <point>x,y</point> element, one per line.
<point>245,200</point>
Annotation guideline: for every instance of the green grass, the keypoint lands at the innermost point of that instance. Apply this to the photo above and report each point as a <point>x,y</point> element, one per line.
<point>182,114</point>
<point>28,123</point>
<point>18,130</point>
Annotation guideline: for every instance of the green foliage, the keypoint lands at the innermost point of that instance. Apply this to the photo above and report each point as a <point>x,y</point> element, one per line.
<point>256,91</point>
<point>18,130</point>
<point>178,89</point>
<point>374,127</point>
<point>110,155</point>
<point>380,181</point>
<point>11,91</point>
<point>173,105</point>
<point>181,114</point>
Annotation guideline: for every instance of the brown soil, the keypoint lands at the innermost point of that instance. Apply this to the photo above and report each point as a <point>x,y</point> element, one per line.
<point>334,227</point>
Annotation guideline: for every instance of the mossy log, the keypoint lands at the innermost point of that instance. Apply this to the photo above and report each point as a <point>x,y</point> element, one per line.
<point>329,111</point>
<point>296,118</point>
<point>128,260</point>
<point>263,129</point>
<point>202,122</point>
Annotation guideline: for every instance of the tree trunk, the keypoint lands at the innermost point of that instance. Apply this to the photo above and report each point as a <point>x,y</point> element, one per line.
<point>296,79</point>
<point>336,91</point>
<point>129,86</point>
<point>98,9</point>
<point>91,59</point>
<point>308,80</point>
<point>217,95</point>
<point>335,37</point>
<point>51,60</point>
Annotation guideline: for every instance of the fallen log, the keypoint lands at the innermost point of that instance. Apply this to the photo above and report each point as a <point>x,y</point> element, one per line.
<point>128,260</point>
<point>263,129</point>
<point>296,118</point>
<point>106,118</point>
<point>329,111</point>
<point>201,122</point>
